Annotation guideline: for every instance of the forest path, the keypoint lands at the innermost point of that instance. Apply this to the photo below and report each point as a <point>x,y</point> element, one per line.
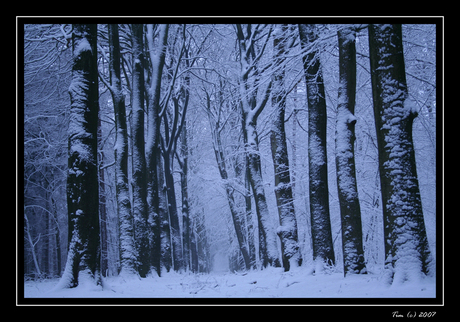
<point>269,283</point>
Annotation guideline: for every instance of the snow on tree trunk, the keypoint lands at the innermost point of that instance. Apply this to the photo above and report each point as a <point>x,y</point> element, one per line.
<point>153,142</point>
<point>128,255</point>
<point>249,79</point>
<point>83,259</point>
<point>287,231</point>
<point>175,232</point>
<point>407,254</point>
<point>323,248</point>
<point>140,207</point>
<point>165,232</point>
<point>267,243</point>
<point>183,161</point>
<point>350,211</point>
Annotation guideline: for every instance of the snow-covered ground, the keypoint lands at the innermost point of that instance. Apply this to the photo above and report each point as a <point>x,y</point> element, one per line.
<point>269,283</point>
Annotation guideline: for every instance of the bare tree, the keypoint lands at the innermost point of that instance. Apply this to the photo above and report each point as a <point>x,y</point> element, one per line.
<point>128,255</point>
<point>287,231</point>
<point>407,254</point>
<point>350,210</point>
<point>323,247</point>
<point>153,153</point>
<point>249,79</point>
<point>217,120</point>
<point>83,257</point>
<point>140,206</point>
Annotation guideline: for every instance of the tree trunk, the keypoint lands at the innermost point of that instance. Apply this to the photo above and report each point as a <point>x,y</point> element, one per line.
<point>57,236</point>
<point>184,194</point>
<point>153,142</point>
<point>407,254</point>
<point>128,255</point>
<point>172,131</point>
<point>323,248</point>
<point>102,203</point>
<point>350,211</point>
<point>141,229</point>
<point>165,232</point>
<point>267,242</point>
<point>83,257</point>
<point>249,218</point>
<point>176,239</point>
<point>287,231</point>
<point>249,60</point>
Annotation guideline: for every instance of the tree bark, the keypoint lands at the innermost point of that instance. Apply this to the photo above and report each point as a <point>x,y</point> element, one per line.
<point>141,229</point>
<point>153,141</point>
<point>165,232</point>
<point>128,255</point>
<point>102,203</point>
<point>176,239</point>
<point>323,248</point>
<point>287,231</point>
<point>250,111</point>
<point>183,161</point>
<point>267,242</point>
<point>350,211</point>
<point>407,253</point>
<point>83,258</point>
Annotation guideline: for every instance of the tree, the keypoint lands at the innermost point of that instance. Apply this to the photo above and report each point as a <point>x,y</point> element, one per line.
<point>407,254</point>
<point>249,82</point>
<point>173,122</point>
<point>153,152</point>
<point>140,206</point>
<point>323,248</point>
<point>287,231</point>
<point>47,75</point>
<point>350,211</point>
<point>128,256</point>
<point>217,122</point>
<point>178,98</point>
<point>83,258</point>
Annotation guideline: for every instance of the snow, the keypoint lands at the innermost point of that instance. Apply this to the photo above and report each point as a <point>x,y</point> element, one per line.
<point>82,45</point>
<point>300,282</point>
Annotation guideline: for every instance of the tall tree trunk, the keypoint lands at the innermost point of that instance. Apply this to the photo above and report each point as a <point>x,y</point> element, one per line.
<point>249,218</point>
<point>102,203</point>
<point>182,157</point>
<point>287,231</point>
<point>153,142</point>
<point>83,257</point>
<point>128,256</point>
<point>350,211</point>
<point>141,229</point>
<point>249,60</point>
<point>176,239</point>
<point>172,131</point>
<point>323,248</point>
<point>57,236</point>
<point>184,194</point>
<point>46,247</point>
<point>267,242</point>
<point>248,202</point>
<point>407,254</point>
<point>193,248</point>
<point>165,232</point>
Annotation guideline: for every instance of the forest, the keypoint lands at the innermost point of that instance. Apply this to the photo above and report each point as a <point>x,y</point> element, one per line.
<point>190,149</point>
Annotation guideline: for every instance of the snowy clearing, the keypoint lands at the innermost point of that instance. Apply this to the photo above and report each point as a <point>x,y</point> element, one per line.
<point>269,283</point>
